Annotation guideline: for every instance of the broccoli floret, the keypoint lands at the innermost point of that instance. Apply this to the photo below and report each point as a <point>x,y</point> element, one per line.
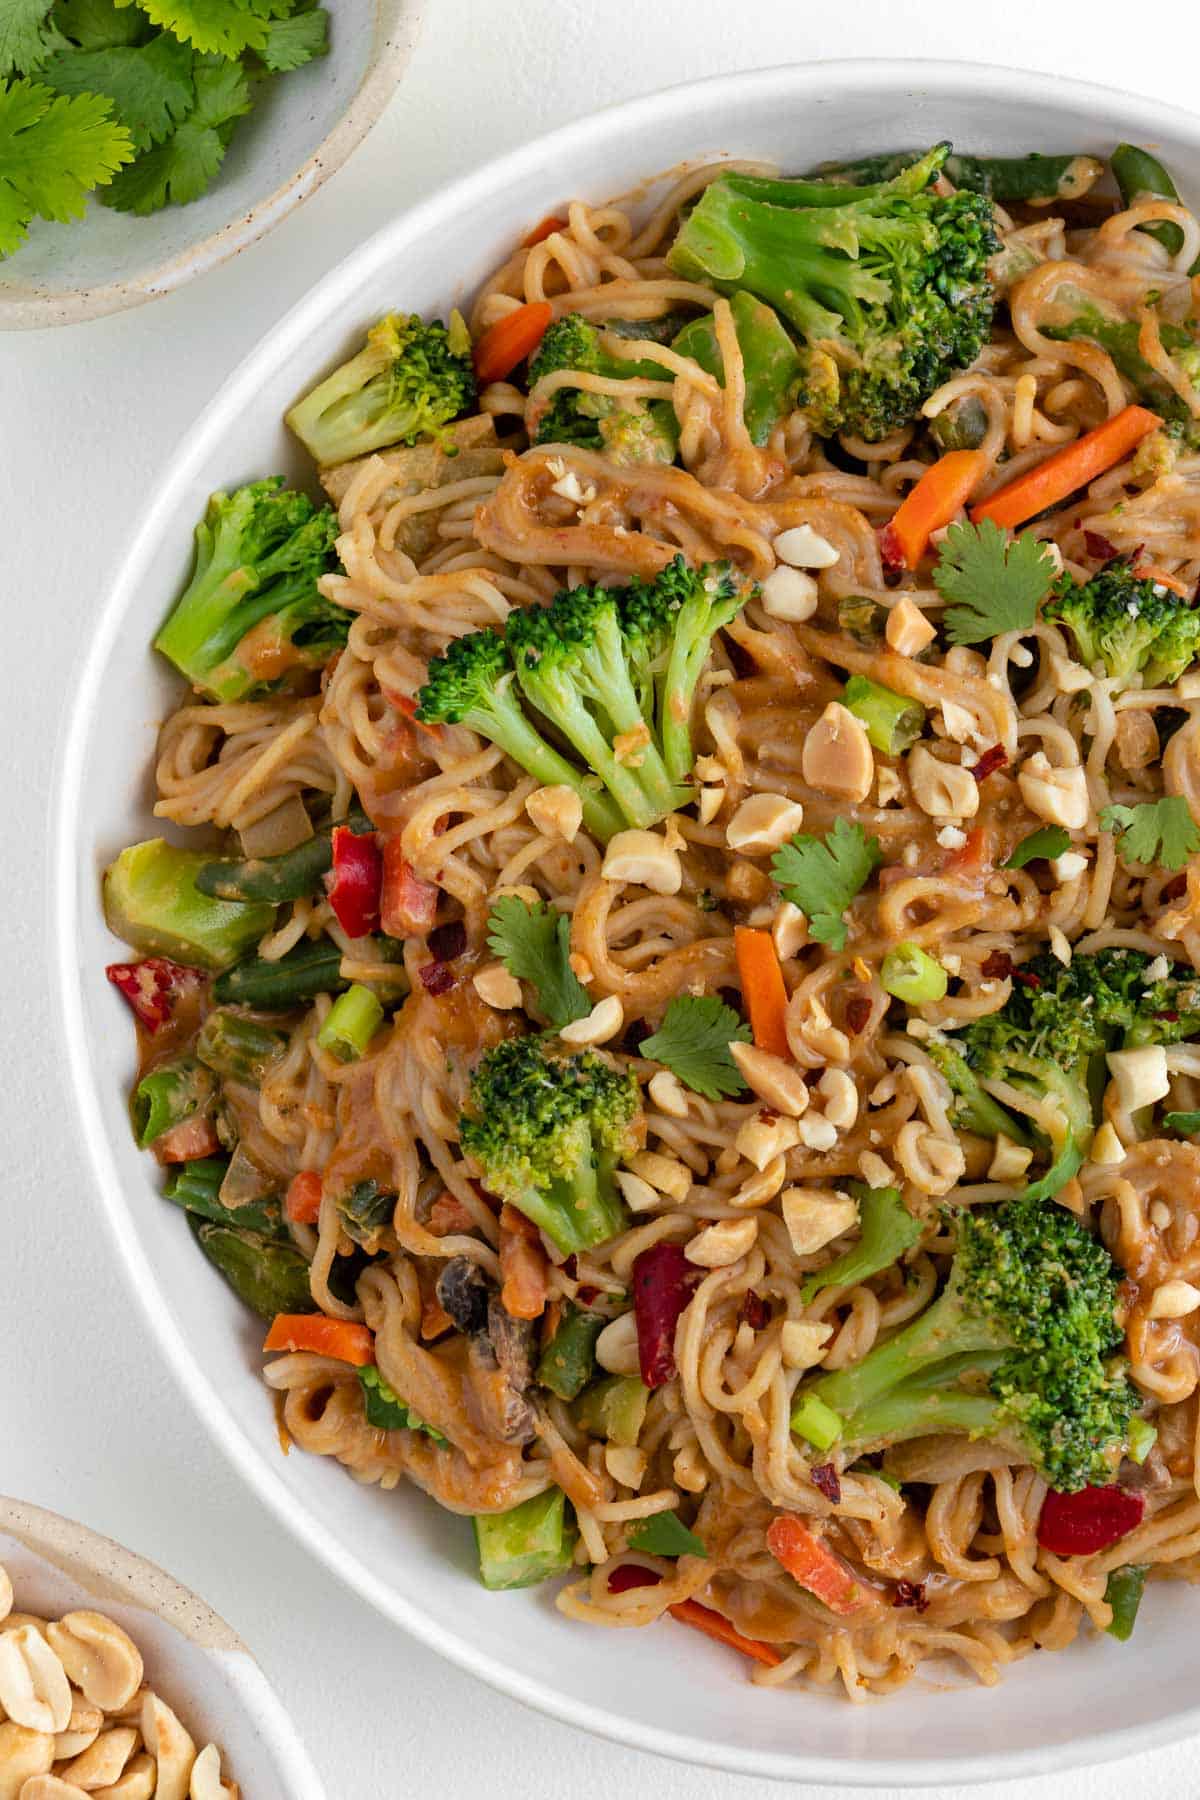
<point>613,670</point>
<point>1120,337</point>
<point>628,431</point>
<point>547,1132</point>
<point>259,555</point>
<point>1130,626</point>
<point>887,285</point>
<point>1019,1346</point>
<point>408,382</point>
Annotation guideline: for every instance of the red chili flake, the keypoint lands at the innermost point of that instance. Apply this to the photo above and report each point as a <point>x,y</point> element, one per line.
<point>1099,547</point>
<point>632,1575</point>
<point>1175,889</point>
<point>1170,1014</point>
<point>437,978</point>
<point>448,941</point>
<point>910,1593</point>
<point>997,966</point>
<point>989,762</point>
<point>571,1266</point>
<point>825,1478</point>
<point>890,550</point>
<point>858,1014</point>
<point>754,1310</point>
<point>1027,978</point>
<point>585,1295</point>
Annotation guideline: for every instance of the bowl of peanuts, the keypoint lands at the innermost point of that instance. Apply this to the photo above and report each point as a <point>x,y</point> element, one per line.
<point>115,1680</point>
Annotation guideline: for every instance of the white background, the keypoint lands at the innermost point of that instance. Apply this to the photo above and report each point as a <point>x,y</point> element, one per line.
<point>90,1423</point>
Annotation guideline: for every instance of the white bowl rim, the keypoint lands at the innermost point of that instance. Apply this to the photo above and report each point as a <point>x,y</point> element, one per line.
<point>936,78</point>
<point>71,1547</point>
<point>31,311</point>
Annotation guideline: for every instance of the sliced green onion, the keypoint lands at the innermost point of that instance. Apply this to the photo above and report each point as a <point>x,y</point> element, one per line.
<point>1124,1594</point>
<point>911,975</point>
<point>1142,1438</point>
<point>353,1020</point>
<point>812,1419</point>
<point>893,722</point>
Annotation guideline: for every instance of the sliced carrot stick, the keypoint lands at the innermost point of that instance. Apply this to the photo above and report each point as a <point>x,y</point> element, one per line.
<point>340,1338</point>
<point>762,988</point>
<point>523,1266</point>
<point>934,501</point>
<point>1152,572</point>
<point>811,1565</point>
<point>714,1625</point>
<point>303,1203</point>
<point>1072,467</point>
<point>511,339</point>
<point>542,230</point>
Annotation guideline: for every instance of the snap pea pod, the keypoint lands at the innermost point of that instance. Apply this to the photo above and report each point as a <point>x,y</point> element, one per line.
<point>1003,178</point>
<point>239,1048</point>
<point>267,1276</point>
<point>167,1096</point>
<point>293,875</point>
<point>1140,176</point>
<point>569,1360</point>
<point>312,968</point>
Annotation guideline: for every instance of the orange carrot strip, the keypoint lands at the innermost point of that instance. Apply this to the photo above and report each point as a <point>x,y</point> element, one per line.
<point>523,1266</point>
<point>1072,467</point>
<point>543,229</point>
<point>435,1320</point>
<point>340,1338</point>
<point>943,488</point>
<point>1152,572</point>
<point>811,1565</point>
<point>714,1625</point>
<point>303,1203</point>
<point>511,339</point>
<point>762,988</point>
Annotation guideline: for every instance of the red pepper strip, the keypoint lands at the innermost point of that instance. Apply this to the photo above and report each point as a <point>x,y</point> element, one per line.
<point>1083,1523</point>
<point>355,881</point>
<point>663,1280</point>
<point>891,551</point>
<point>303,1203</point>
<point>408,906</point>
<point>153,986</point>
<point>715,1625</point>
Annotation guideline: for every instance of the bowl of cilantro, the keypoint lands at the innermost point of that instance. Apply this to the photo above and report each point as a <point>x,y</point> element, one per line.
<point>142,142</point>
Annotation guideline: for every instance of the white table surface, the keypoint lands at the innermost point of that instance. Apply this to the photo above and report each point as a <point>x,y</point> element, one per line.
<point>90,1422</point>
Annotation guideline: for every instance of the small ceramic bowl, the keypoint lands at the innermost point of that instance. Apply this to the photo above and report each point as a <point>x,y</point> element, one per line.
<point>304,127</point>
<point>198,1664</point>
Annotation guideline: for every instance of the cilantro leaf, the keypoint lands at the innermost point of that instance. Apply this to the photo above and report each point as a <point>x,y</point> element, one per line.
<point>996,582</point>
<point>182,166</point>
<point>225,27</point>
<point>823,878</point>
<point>53,149</point>
<point>293,42</point>
<point>1155,831</point>
<point>1048,842</point>
<point>534,943</point>
<point>665,1534</point>
<point>99,25</point>
<point>1185,1123</point>
<point>26,35</point>
<point>150,85</point>
<point>693,1041</point>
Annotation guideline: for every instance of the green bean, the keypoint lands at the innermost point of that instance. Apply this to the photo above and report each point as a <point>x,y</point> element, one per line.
<point>1005,178</point>
<point>167,1096</point>
<point>237,1047</point>
<point>1124,1594</point>
<point>569,1359</point>
<point>267,1276</point>
<point>313,967</point>
<point>1140,176</point>
<point>196,1188</point>
<point>962,425</point>
<point>293,875</point>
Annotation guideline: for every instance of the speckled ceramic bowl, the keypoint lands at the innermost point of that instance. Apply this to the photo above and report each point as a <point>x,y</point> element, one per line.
<point>198,1664</point>
<point>304,128</point>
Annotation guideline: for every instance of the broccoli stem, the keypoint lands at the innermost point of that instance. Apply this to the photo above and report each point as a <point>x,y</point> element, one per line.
<point>942,1335</point>
<point>576,1212</point>
<point>698,619</point>
<point>975,1110</point>
<point>527,1544</point>
<point>1140,176</point>
<point>152,901</point>
<point>506,725</point>
<point>886,1230</point>
<point>771,363</point>
<point>1005,178</point>
<point>926,1403</point>
<point>352,1022</point>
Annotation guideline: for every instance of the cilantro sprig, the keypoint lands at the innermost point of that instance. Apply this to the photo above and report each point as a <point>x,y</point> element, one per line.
<point>996,582</point>
<point>533,941</point>
<point>53,149</point>
<point>1154,831</point>
<point>822,877</point>
<point>693,1042</point>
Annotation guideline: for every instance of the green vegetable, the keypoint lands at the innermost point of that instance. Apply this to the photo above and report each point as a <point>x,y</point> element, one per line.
<point>237,1047</point>
<point>547,1131</point>
<point>352,1022</point>
<point>293,42</point>
<point>1044,844</point>
<point>267,1276</point>
<point>693,1041</point>
<point>863,619</point>
<point>822,878</point>
<point>569,1360</point>
<point>1140,176</point>
<point>995,581</point>
<point>962,425</point>
<point>196,1188</point>
<point>54,149</point>
<point>886,1229</point>
<point>771,363</point>
<point>817,1423</point>
<point>182,167</point>
<point>1185,1123</point>
<point>974,1108</point>
<point>886,285</point>
<point>293,875</point>
<point>614,1408</point>
<point>260,553</point>
<point>1123,1591</point>
<point>167,1096</point>
<point>366,1211</point>
<point>1121,338</point>
<point>1019,1346</point>
<point>912,975</point>
<point>1003,178</point>
<point>150,85</point>
<point>625,430</point>
<point>1154,831</point>
<point>386,1411</point>
<point>1127,626</point>
<point>410,380</point>
<point>313,967</point>
<point>1142,1438</point>
<point>664,1534</point>
<point>530,1543</point>
<point>893,722</point>
<point>151,900</point>
<point>533,941</point>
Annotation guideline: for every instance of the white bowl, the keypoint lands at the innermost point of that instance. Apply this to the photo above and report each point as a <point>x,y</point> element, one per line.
<point>193,1659</point>
<point>302,129</point>
<point>660,1689</point>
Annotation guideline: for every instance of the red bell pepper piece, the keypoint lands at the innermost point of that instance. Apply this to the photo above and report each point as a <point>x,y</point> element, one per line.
<point>1083,1523</point>
<point>153,986</point>
<point>663,1280</point>
<point>408,905</point>
<point>303,1203</point>
<point>355,881</point>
